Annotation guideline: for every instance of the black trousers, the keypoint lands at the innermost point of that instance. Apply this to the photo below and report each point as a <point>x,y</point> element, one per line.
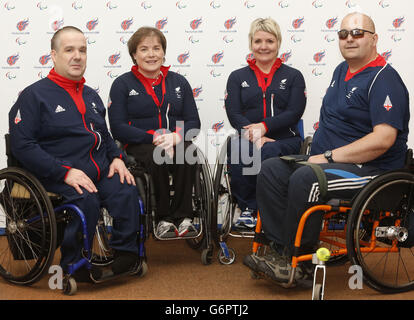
<point>170,208</point>
<point>285,192</point>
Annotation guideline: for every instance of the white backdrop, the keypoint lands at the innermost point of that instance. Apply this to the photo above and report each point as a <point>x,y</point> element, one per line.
<point>207,39</point>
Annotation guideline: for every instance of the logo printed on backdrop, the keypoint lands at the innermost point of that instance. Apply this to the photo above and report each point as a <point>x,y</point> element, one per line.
<point>283,4</point>
<point>386,54</point>
<point>56,25</point>
<point>350,4</point>
<point>194,25</point>
<point>285,56</point>
<point>196,93</point>
<point>113,60</point>
<point>146,5</point>
<point>112,74</point>
<point>215,4</point>
<point>126,25</point>
<point>77,5</point>
<point>9,6</point>
<point>193,40</point>
<point>180,5</point>
<point>215,74</point>
<point>229,26</point>
<point>19,41</point>
<point>91,25</point>
<point>248,4</point>
<point>160,24</point>
<point>316,72</point>
<point>41,6</point>
<point>227,39</point>
<point>11,61</point>
<point>395,37</point>
<point>111,5</point>
<point>396,23</point>
<point>318,57</point>
<point>295,38</point>
<point>182,59</point>
<point>21,27</point>
<point>297,25</point>
<point>330,24</point>
<point>10,75</point>
<point>216,58</point>
<point>317,4</point>
<point>44,60</point>
<point>383,4</point>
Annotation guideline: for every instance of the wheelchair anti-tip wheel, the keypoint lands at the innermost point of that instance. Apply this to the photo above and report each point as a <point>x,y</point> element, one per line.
<point>27,248</point>
<point>380,233</point>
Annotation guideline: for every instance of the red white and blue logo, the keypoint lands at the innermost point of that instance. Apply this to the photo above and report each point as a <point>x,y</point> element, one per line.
<point>194,24</point>
<point>43,60</point>
<point>182,58</point>
<point>229,23</point>
<point>216,58</point>
<point>114,58</point>
<point>91,24</point>
<point>197,91</point>
<point>285,56</point>
<point>160,24</point>
<point>398,22</point>
<point>21,25</point>
<point>318,56</point>
<point>330,23</point>
<point>11,60</point>
<point>297,23</point>
<point>126,24</point>
<point>217,126</point>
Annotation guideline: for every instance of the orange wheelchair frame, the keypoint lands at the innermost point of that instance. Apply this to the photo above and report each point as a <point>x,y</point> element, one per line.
<point>377,220</point>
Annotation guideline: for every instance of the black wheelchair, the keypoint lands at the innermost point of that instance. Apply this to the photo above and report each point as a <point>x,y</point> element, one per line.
<point>202,197</point>
<point>225,204</point>
<point>33,225</point>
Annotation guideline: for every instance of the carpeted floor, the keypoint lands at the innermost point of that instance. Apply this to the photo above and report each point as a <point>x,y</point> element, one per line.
<point>176,273</point>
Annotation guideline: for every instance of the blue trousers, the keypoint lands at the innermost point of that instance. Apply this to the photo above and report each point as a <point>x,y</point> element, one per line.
<point>285,192</point>
<point>121,201</point>
<point>245,160</point>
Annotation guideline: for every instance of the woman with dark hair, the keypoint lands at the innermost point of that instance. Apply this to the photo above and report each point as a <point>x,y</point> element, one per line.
<point>152,111</point>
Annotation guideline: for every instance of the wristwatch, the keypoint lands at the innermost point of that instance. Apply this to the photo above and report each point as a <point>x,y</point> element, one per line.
<point>328,156</point>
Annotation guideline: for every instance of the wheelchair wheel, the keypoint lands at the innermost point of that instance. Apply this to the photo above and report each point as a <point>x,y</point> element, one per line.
<point>202,204</point>
<point>28,246</point>
<point>379,237</point>
<point>102,254</point>
<point>223,200</point>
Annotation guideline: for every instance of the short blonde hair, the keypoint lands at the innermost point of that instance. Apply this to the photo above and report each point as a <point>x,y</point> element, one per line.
<point>267,25</point>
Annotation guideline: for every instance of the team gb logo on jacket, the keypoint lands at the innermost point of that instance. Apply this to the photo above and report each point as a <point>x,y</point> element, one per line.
<point>387,103</point>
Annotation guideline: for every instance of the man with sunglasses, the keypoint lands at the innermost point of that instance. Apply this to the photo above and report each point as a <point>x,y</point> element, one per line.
<point>363,129</point>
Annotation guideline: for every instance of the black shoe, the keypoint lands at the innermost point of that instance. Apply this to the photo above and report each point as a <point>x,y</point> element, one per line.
<point>124,261</point>
<point>84,275</point>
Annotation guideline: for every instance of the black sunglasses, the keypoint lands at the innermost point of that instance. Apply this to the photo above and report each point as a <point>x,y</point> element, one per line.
<point>355,33</point>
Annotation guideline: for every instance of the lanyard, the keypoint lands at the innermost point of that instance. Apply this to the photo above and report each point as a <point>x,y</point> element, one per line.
<point>148,87</point>
<point>262,82</point>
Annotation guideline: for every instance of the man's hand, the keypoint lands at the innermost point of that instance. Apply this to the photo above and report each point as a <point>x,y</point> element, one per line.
<point>254,131</point>
<point>118,166</point>
<point>77,178</point>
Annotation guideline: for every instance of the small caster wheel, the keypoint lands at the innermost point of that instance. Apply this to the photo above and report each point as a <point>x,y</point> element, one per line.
<point>226,260</point>
<point>206,256</point>
<point>143,269</point>
<point>254,275</point>
<point>69,286</point>
<point>317,292</point>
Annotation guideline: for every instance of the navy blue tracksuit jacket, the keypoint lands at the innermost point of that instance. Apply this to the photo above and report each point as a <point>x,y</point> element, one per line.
<point>58,124</point>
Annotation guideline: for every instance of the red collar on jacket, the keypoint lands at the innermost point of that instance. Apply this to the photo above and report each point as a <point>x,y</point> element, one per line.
<point>378,62</point>
<point>148,85</point>
<point>260,75</point>
<point>73,87</point>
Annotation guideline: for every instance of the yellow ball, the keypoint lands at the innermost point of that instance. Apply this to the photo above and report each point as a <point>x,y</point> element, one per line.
<point>323,254</point>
